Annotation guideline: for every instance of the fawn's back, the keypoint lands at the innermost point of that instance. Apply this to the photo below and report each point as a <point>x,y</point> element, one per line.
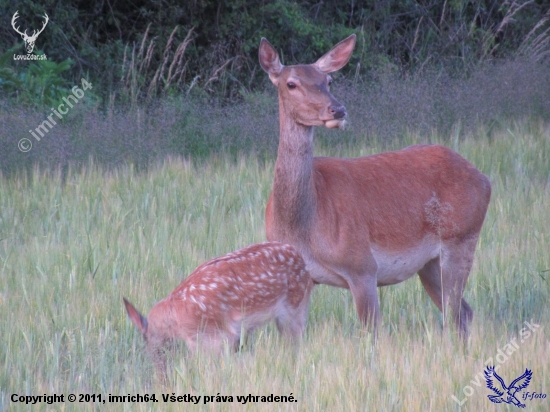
<point>243,289</point>
<point>239,291</point>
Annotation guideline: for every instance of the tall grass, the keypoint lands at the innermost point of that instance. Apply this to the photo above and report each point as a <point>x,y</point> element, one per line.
<point>70,251</point>
<point>386,108</point>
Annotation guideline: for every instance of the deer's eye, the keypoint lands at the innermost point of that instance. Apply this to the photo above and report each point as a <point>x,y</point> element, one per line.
<point>329,81</point>
<point>291,85</point>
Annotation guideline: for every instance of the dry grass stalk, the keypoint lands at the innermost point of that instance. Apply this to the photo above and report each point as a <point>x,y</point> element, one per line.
<point>177,60</point>
<point>489,37</point>
<point>151,91</point>
<point>416,33</point>
<point>193,83</point>
<point>149,54</point>
<point>123,64</point>
<point>141,47</point>
<point>137,70</point>
<point>514,8</point>
<point>214,75</point>
<point>166,54</point>
<point>132,77</point>
<point>182,74</point>
<point>539,47</point>
<point>442,19</point>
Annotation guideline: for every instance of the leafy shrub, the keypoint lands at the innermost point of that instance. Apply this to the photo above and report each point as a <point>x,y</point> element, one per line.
<point>42,84</point>
<point>221,52</point>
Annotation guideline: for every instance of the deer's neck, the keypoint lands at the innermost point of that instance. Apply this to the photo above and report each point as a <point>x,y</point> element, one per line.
<point>293,187</point>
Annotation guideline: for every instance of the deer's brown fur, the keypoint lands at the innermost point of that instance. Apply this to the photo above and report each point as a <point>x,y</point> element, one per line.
<point>239,291</point>
<point>371,221</point>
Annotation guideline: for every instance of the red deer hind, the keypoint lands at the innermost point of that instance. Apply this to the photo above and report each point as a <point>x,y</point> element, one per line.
<point>239,291</point>
<point>373,221</point>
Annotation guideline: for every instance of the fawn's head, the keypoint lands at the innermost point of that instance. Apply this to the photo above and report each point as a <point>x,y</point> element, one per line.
<point>155,337</point>
<point>304,90</point>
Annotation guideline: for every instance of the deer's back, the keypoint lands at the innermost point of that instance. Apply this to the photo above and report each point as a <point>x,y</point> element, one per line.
<point>252,282</point>
<point>395,199</point>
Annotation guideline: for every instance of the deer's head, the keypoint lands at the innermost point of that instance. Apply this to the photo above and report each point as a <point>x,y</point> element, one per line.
<point>304,89</point>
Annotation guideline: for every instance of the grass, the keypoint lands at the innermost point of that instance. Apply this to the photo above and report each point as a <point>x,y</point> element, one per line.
<point>385,107</point>
<point>69,252</point>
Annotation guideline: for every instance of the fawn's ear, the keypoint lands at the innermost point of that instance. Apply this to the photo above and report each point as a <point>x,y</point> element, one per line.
<point>137,318</point>
<point>337,57</point>
<point>269,60</point>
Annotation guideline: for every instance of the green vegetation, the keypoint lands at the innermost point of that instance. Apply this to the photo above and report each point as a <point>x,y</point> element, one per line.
<point>70,251</point>
<point>40,85</point>
<point>177,79</point>
<point>140,50</point>
<point>386,109</point>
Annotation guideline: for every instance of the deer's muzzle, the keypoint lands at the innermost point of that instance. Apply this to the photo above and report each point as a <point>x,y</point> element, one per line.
<point>337,112</point>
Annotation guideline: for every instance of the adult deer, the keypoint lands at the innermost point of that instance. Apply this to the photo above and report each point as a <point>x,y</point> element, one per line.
<point>239,291</point>
<point>376,220</point>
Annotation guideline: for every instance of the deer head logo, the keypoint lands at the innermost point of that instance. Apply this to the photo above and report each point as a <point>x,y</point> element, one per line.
<point>29,40</point>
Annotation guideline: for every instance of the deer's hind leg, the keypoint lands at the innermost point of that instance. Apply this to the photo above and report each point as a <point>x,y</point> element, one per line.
<point>445,277</point>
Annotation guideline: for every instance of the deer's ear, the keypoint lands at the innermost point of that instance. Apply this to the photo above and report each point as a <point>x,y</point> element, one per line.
<point>137,318</point>
<point>337,57</point>
<point>269,60</point>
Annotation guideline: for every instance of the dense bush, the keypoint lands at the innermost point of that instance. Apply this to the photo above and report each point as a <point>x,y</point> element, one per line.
<point>132,50</point>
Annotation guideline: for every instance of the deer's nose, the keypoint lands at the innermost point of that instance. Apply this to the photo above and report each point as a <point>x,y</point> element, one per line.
<point>337,112</point>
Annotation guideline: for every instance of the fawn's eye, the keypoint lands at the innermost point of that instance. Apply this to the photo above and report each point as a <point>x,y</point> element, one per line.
<point>291,85</point>
<point>329,81</point>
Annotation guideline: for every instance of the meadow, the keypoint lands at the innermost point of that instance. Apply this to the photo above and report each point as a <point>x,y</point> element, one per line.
<point>72,244</point>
